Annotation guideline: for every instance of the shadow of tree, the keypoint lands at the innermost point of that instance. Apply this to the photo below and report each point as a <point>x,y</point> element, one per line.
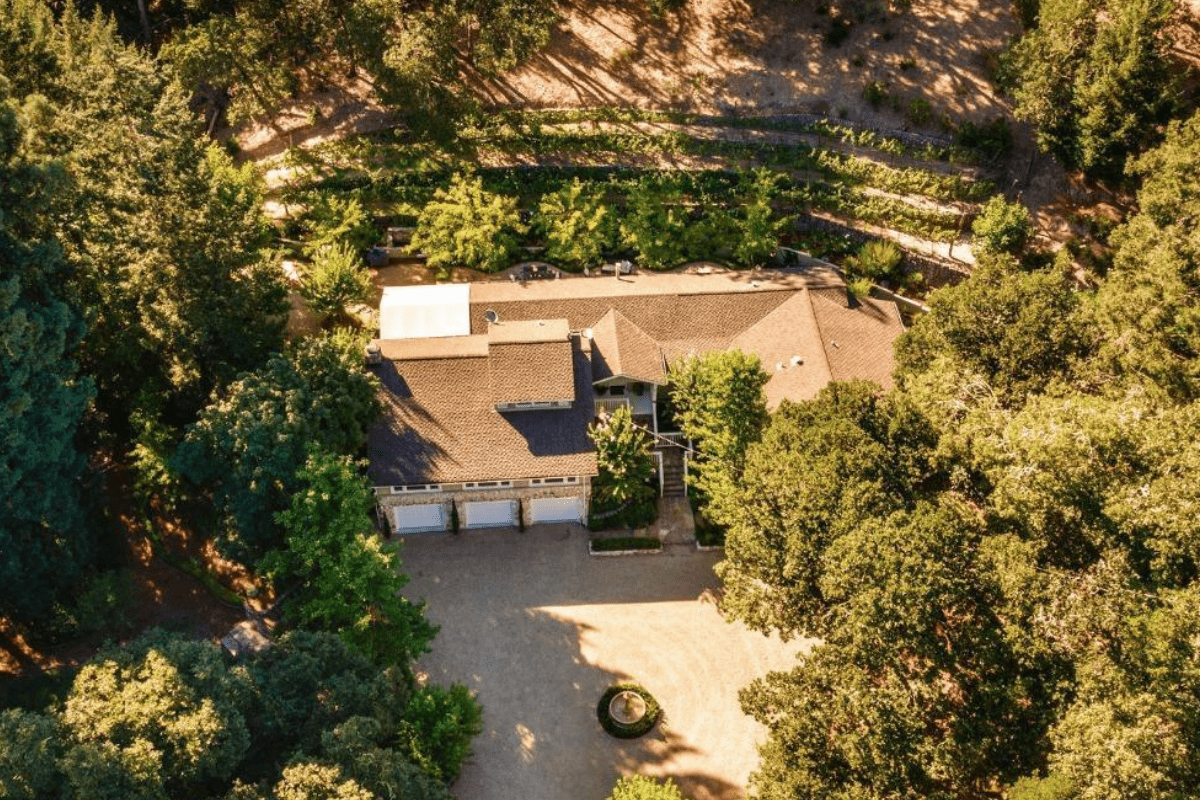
<point>539,630</point>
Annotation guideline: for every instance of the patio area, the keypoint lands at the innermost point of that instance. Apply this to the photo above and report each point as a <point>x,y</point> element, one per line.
<point>538,628</point>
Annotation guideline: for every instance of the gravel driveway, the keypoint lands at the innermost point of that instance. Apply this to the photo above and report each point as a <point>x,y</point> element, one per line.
<point>538,628</point>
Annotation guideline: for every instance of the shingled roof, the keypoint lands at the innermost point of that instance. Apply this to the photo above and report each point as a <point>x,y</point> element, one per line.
<point>622,349</point>
<point>530,361</point>
<point>441,424</point>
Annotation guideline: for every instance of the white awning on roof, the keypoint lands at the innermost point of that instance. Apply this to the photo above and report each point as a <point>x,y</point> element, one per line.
<point>418,312</point>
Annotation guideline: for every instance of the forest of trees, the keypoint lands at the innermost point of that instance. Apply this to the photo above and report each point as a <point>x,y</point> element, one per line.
<point>142,313</point>
<point>1000,555</point>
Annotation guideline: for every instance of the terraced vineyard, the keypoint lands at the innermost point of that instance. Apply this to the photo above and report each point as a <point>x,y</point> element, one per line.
<point>919,191</point>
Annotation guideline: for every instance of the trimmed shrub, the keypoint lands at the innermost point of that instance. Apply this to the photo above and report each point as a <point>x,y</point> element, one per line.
<point>643,787</point>
<point>635,515</point>
<point>615,543</point>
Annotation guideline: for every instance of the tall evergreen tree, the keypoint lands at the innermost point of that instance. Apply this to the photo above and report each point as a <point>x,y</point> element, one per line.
<point>44,544</point>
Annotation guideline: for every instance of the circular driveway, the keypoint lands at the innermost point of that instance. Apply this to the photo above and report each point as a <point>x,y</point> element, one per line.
<point>538,629</point>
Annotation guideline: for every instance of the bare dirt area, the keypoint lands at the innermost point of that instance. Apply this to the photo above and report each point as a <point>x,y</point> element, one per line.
<point>713,56</point>
<point>764,56</point>
<point>161,595</point>
<point>332,113</point>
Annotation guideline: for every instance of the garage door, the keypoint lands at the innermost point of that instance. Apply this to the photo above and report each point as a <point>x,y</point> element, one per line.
<point>555,509</point>
<point>491,514</point>
<point>418,519</point>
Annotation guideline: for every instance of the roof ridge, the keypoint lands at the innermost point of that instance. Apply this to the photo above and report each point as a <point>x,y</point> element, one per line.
<point>617,317</point>
<point>820,330</point>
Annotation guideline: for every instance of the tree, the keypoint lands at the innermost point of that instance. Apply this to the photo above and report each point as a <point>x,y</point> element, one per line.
<point>333,221</point>
<point>656,224</point>
<point>1017,330</point>
<point>624,458</point>
<point>166,716</point>
<point>465,225</point>
<point>1002,227</point>
<point>720,405</point>
<point>335,280</point>
<point>308,781</point>
<point>166,238</point>
<point>357,746</point>
<point>348,584</point>
<point>758,227</point>
<point>438,727</point>
<point>1095,77</point>
<point>578,225</point>
<point>44,544</point>
<point>151,719</point>
<point>641,787</point>
<point>247,446</point>
<point>30,747</point>
<point>1145,310</point>
<point>821,469</point>
<point>501,34</point>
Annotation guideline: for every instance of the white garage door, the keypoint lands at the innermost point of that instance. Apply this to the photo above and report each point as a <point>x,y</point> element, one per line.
<point>418,519</point>
<point>491,514</point>
<point>555,509</point>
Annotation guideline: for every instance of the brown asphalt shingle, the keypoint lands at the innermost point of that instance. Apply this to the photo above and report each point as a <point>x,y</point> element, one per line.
<point>440,426</point>
<point>859,342</point>
<point>440,423</point>
<point>620,348</point>
<point>531,372</point>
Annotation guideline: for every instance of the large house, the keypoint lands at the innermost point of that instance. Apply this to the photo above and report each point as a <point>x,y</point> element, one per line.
<point>489,388</point>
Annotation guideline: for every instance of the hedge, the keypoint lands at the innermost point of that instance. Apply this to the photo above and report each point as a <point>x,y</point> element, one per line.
<point>609,544</point>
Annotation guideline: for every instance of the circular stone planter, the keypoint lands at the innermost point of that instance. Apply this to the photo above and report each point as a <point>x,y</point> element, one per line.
<point>627,711</point>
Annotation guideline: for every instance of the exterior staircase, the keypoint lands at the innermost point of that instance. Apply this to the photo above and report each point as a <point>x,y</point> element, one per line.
<point>673,485</point>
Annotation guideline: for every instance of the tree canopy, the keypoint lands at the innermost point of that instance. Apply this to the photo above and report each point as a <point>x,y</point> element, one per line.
<point>997,557</point>
<point>1095,77</point>
<point>44,544</point>
<point>349,582</point>
<point>246,446</point>
<point>168,717</point>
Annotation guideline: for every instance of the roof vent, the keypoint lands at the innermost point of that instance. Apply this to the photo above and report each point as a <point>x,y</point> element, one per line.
<point>797,361</point>
<point>492,316</point>
<point>587,333</point>
<point>778,366</point>
<point>754,284</point>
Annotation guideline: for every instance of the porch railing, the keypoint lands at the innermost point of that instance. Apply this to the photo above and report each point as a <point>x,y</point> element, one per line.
<point>608,405</point>
<point>677,439</point>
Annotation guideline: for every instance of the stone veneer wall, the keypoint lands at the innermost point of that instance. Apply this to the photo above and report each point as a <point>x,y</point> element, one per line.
<point>520,490</point>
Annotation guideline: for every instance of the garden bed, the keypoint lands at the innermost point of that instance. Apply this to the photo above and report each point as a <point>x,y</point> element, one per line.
<point>649,708</point>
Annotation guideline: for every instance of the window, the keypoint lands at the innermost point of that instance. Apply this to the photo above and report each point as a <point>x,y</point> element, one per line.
<point>533,404</point>
<point>553,481</point>
<point>417,487</point>
<point>617,390</point>
<point>487,485</point>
